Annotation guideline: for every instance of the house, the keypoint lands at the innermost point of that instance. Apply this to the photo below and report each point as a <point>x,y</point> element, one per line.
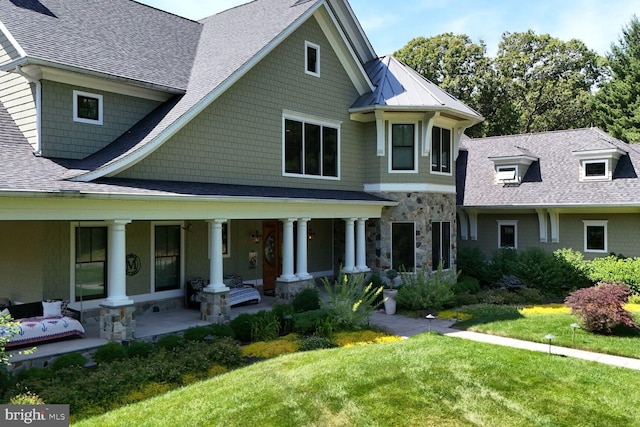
<point>269,142</point>
<point>574,189</point>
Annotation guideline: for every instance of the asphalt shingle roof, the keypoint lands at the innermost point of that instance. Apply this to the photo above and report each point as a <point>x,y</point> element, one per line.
<point>119,38</point>
<point>553,180</point>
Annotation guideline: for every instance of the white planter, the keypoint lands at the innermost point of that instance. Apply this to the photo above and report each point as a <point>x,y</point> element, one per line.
<point>389,300</point>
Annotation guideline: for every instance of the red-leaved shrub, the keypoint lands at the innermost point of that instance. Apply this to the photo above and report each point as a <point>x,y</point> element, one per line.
<point>600,308</point>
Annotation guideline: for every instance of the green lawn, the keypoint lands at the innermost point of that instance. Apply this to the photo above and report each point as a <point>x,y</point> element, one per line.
<point>427,380</point>
<point>534,327</point>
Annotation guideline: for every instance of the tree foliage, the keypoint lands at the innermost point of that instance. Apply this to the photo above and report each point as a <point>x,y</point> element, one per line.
<point>535,83</point>
<point>618,101</point>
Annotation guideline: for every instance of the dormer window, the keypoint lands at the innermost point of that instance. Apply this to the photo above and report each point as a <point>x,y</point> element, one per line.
<point>598,165</point>
<point>87,108</point>
<point>507,174</point>
<point>509,170</point>
<point>312,59</point>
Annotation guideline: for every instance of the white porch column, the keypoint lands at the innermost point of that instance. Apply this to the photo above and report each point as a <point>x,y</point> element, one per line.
<point>349,246</point>
<point>287,251</point>
<point>216,282</point>
<point>361,244</point>
<point>301,267</point>
<point>542,224</point>
<point>117,265</point>
<point>473,225</point>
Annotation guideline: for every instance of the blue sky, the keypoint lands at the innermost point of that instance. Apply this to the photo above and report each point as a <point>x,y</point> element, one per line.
<point>390,24</point>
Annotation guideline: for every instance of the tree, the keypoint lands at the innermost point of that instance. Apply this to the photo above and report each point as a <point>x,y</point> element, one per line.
<point>453,62</point>
<point>617,103</point>
<point>535,83</point>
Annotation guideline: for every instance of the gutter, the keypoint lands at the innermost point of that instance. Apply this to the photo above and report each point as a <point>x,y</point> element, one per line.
<point>31,79</point>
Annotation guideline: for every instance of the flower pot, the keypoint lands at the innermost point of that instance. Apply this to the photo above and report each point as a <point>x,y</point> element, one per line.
<point>389,300</point>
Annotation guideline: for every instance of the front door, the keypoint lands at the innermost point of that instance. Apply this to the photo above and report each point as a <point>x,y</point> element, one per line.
<point>272,257</point>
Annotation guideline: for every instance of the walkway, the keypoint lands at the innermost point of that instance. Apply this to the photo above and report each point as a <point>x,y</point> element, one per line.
<point>408,326</point>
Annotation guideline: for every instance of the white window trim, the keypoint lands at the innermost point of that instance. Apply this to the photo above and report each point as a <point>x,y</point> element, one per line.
<point>515,234</point>
<point>307,45</point>
<point>72,261</point>
<point>414,242</point>
<point>597,177</point>
<point>77,93</point>
<point>503,174</point>
<point>415,145</point>
<point>451,156</point>
<point>152,256</point>
<point>597,223</point>
<point>305,118</point>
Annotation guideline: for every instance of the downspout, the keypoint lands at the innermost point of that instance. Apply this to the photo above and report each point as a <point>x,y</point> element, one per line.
<point>31,79</point>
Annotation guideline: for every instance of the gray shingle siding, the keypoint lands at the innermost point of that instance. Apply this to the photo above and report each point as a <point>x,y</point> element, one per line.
<point>62,137</point>
<point>238,139</point>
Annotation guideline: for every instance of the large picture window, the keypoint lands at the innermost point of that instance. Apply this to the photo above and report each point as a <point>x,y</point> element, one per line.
<point>403,246</point>
<point>403,147</point>
<point>310,148</point>
<point>167,257</point>
<point>441,150</point>
<point>441,244</point>
<point>595,236</point>
<point>91,263</point>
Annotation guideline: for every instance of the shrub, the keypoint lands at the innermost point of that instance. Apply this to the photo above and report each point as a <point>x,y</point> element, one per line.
<point>351,300</point>
<point>472,262</point>
<point>316,343</point>
<point>68,360</point>
<point>265,326</point>
<point>36,373</point>
<point>241,326</point>
<point>306,300</point>
<point>423,292</point>
<point>170,342</point>
<point>27,398</point>
<point>466,284</point>
<point>613,269</point>
<point>600,308</point>
<point>139,349</point>
<point>110,352</point>
<point>284,313</point>
<point>309,322</point>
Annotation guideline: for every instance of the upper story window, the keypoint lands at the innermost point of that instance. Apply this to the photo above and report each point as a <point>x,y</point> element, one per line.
<point>87,107</point>
<point>506,173</point>
<point>403,147</point>
<point>441,151</point>
<point>311,148</point>
<point>595,169</point>
<point>598,165</point>
<point>312,59</point>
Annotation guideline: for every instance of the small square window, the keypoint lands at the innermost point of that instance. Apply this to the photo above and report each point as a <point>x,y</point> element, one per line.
<point>595,169</point>
<point>595,236</point>
<point>508,234</point>
<point>312,59</point>
<point>87,107</point>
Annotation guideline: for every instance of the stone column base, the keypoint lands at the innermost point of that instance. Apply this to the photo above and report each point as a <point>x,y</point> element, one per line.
<point>286,291</point>
<point>118,323</point>
<point>215,306</point>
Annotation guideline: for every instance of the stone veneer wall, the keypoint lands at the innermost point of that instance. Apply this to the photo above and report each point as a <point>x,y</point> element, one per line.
<point>421,208</point>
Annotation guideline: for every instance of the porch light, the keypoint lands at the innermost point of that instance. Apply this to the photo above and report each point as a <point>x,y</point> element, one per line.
<point>311,234</point>
<point>256,236</point>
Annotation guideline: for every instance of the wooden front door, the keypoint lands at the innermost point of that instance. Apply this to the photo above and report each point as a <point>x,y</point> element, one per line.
<point>271,252</point>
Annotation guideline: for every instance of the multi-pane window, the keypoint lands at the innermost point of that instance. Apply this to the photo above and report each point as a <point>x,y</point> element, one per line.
<point>441,244</point>
<point>312,59</point>
<point>508,234</point>
<point>595,236</point>
<point>167,257</point>
<point>91,263</point>
<point>440,150</point>
<point>403,147</point>
<point>403,246</point>
<point>310,149</point>
<point>87,107</point>
<point>595,169</point>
